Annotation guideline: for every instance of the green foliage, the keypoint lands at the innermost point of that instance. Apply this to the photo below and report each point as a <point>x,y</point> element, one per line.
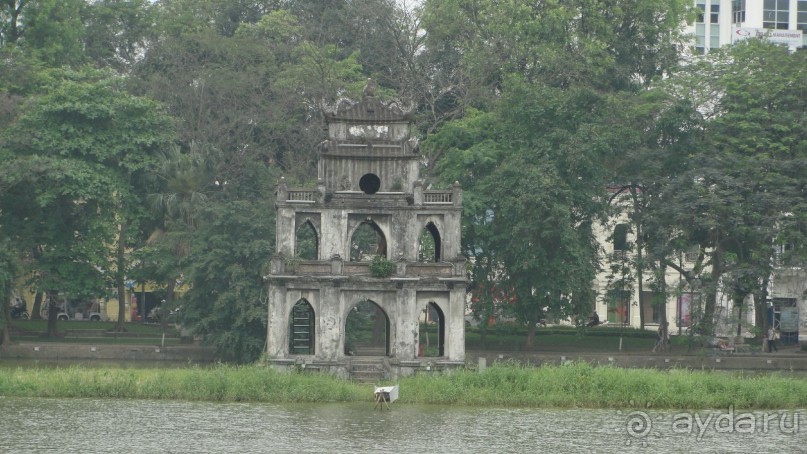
<point>79,156</point>
<point>117,31</point>
<point>306,242</point>
<point>731,180</point>
<point>381,267</point>
<point>53,32</point>
<point>225,302</point>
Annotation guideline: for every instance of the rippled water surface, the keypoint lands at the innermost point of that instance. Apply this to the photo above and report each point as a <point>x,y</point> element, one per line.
<point>106,425</point>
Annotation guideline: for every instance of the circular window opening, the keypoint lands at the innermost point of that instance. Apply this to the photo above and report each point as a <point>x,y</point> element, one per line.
<point>369,183</point>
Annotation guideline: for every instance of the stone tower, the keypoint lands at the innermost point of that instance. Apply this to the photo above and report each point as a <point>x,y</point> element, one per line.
<point>369,181</point>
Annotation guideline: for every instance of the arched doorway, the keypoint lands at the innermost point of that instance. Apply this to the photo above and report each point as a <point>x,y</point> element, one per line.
<point>301,329</point>
<point>367,330</point>
<point>432,329</point>
<point>429,244</point>
<point>367,241</point>
<point>306,243</point>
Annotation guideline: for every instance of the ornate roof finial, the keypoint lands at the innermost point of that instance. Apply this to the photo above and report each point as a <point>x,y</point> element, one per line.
<point>369,89</point>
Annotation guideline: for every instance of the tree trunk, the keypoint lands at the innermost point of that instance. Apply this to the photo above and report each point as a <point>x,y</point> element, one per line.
<point>707,317</point>
<point>639,247</point>
<point>665,327</point>
<point>120,277</point>
<point>530,336</point>
<point>169,298</point>
<point>36,311</point>
<point>53,313</point>
<point>761,307</point>
<point>483,333</point>
<point>6,337</point>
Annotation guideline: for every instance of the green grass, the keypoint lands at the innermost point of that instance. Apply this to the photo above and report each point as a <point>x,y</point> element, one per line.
<point>221,383</point>
<point>585,386</point>
<point>573,385</point>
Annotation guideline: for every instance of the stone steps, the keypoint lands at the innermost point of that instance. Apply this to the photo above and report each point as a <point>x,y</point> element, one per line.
<point>368,369</point>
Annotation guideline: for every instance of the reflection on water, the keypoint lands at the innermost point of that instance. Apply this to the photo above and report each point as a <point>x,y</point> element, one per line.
<point>106,425</point>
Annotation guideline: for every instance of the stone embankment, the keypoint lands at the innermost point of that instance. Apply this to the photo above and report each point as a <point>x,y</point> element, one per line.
<point>51,351</point>
<point>791,359</point>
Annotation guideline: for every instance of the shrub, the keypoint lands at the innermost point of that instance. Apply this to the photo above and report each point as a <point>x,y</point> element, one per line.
<point>381,267</point>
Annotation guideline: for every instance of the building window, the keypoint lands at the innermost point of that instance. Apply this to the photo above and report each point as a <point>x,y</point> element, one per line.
<point>739,11</point>
<point>701,7</point>
<point>620,238</point>
<point>714,36</point>
<point>801,15</point>
<point>714,12</point>
<point>700,39</point>
<point>618,307</point>
<point>652,306</point>
<point>775,14</point>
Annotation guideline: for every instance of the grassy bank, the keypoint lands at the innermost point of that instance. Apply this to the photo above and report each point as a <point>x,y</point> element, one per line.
<point>220,383</point>
<point>568,386</point>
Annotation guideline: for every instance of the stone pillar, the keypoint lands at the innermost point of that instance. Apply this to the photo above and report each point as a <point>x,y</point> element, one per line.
<point>277,340</point>
<point>330,329</point>
<point>400,266</point>
<point>406,319</point>
<point>418,194</point>
<point>282,193</point>
<point>321,191</point>
<point>457,194</point>
<point>336,265</point>
<point>455,324</point>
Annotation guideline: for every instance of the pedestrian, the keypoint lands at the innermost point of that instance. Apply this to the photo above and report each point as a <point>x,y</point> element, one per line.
<point>772,339</point>
<point>660,338</point>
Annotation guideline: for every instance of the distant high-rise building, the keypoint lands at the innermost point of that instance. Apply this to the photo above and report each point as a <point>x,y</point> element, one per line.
<point>723,22</point>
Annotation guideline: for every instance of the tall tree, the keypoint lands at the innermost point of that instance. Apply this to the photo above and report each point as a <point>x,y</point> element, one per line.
<point>9,272</point>
<point>11,13</point>
<point>81,156</point>
<point>54,31</point>
<point>551,77</point>
<point>117,31</point>
<point>739,190</point>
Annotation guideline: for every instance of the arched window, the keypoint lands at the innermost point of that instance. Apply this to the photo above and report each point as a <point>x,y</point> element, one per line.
<point>306,243</point>
<point>367,330</point>
<point>368,240</point>
<point>432,325</point>
<point>301,329</point>
<point>429,246</point>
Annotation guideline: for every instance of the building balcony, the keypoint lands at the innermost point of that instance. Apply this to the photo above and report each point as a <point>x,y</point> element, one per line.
<point>451,198</point>
<point>282,267</point>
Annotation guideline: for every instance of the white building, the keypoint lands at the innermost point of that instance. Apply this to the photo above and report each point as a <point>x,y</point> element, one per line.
<point>724,22</point>
<point>621,302</point>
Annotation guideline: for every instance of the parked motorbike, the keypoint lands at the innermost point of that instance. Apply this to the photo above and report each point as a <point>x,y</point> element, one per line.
<point>19,311</point>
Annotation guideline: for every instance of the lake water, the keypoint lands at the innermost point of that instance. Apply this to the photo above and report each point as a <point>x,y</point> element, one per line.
<point>147,426</point>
